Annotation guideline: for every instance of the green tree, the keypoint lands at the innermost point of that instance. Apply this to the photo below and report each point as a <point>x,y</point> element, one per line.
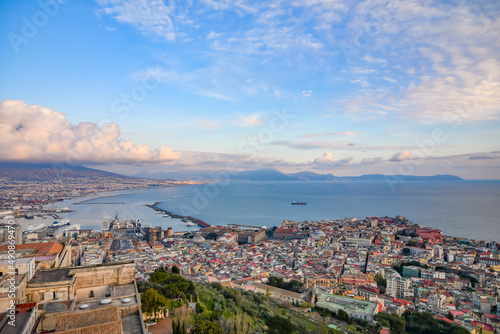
<point>458,330</point>
<point>200,308</point>
<point>279,325</point>
<point>350,329</point>
<point>174,327</point>
<point>397,323</point>
<point>153,302</point>
<point>342,315</point>
<point>179,328</point>
<point>381,282</point>
<point>184,331</point>
<point>204,326</point>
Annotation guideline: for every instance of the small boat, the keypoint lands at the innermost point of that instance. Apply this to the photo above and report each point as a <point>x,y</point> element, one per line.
<point>191,224</point>
<point>298,203</point>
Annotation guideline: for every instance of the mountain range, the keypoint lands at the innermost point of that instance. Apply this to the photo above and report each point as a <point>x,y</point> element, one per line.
<point>274,175</point>
<point>47,171</point>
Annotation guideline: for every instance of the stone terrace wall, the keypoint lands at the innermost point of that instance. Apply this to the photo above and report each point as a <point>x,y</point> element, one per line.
<point>104,274</point>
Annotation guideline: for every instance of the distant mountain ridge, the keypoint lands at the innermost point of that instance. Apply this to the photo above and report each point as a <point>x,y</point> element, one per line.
<point>48,171</point>
<point>274,175</point>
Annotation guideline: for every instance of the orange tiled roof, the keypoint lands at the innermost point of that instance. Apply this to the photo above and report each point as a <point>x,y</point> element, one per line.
<point>41,248</point>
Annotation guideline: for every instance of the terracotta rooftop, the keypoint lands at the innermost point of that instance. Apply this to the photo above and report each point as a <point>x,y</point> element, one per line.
<point>41,248</point>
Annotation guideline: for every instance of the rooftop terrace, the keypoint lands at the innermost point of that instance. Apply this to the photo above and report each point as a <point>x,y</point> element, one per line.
<point>346,303</point>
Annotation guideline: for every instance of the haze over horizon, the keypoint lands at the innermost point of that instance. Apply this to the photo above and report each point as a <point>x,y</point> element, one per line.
<point>341,87</point>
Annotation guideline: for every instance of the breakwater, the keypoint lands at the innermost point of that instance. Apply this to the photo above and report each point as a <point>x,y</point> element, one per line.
<point>200,222</point>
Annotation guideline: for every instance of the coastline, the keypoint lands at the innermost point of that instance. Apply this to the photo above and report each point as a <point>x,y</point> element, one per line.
<point>106,196</point>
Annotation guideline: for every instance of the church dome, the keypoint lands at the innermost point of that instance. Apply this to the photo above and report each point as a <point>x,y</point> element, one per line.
<point>318,234</point>
<point>198,238</point>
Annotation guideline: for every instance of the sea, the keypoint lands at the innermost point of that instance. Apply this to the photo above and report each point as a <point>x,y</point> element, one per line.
<point>468,209</point>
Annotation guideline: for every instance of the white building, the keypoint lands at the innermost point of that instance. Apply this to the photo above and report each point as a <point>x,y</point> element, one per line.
<point>438,252</point>
<point>399,287</point>
<point>436,301</point>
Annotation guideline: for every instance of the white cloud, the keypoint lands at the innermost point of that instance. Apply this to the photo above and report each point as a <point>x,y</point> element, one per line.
<point>371,161</point>
<point>237,119</point>
<point>390,79</point>
<point>327,160</point>
<point>325,134</point>
<point>217,81</point>
<point>450,49</point>
<point>151,17</point>
<point>34,133</point>
<point>249,121</point>
<point>402,156</point>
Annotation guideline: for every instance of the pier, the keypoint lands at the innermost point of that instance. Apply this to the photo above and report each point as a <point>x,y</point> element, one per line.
<point>200,222</point>
<point>245,226</point>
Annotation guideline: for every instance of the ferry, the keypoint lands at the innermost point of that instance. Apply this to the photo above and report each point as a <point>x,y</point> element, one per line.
<point>298,203</point>
<point>59,224</point>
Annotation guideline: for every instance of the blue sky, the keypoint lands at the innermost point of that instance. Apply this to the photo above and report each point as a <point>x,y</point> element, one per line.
<point>341,87</point>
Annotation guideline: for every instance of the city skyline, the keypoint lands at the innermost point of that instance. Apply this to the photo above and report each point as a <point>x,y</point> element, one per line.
<point>347,88</point>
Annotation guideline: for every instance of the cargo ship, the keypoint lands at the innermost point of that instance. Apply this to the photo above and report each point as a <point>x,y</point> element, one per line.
<point>298,203</point>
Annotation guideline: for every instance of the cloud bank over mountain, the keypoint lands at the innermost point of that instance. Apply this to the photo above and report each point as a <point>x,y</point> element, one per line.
<point>35,133</point>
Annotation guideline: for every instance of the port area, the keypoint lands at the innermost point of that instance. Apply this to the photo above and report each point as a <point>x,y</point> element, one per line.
<point>155,207</point>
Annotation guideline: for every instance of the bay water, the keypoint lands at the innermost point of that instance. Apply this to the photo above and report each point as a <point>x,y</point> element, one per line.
<point>460,208</point>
